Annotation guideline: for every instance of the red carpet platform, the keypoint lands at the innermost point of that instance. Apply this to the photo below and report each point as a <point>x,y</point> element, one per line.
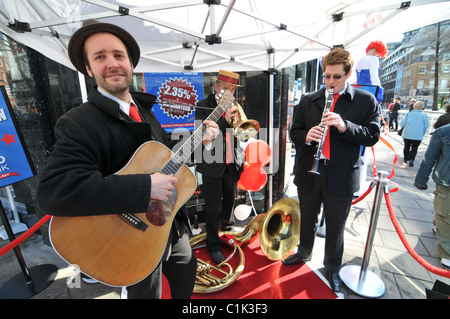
<point>266,279</point>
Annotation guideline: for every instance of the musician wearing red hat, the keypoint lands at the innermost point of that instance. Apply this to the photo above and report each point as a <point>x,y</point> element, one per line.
<point>219,178</point>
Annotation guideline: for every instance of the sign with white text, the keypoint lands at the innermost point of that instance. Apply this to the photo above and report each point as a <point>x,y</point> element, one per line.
<point>177,95</point>
<point>15,161</point>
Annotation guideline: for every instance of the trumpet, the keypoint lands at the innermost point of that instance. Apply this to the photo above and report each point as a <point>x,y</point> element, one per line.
<point>315,166</point>
<point>243,127</point>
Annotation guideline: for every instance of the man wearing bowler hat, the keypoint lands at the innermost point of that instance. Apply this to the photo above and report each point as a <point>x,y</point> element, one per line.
<point>96,139</point>
<point>218,169</point>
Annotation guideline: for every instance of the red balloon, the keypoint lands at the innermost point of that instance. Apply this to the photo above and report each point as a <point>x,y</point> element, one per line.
<point>258,153</point>
<point>253,178</point>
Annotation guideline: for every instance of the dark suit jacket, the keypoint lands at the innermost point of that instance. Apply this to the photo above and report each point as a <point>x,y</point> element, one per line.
<point>215,168</point>
<point>359,110</point>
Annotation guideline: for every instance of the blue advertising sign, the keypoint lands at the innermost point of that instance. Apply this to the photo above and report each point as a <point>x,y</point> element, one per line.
<point>178,94</point>
<point>15,161</point>
<point>369,88</point>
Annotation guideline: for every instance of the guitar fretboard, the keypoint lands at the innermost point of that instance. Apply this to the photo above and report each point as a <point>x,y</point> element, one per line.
<point>188,147</point>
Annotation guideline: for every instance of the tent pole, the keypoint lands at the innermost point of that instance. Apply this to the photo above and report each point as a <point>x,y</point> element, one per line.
<point>83,87</point>
<point>225,17</point>
<point>271,130</point>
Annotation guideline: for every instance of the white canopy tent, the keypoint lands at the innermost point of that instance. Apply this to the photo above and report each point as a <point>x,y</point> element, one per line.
<point>206,35</point>
<point>236,35</point>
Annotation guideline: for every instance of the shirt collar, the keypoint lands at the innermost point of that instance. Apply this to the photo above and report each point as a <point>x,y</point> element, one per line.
<point>340,92</point>
<point>124,106</point>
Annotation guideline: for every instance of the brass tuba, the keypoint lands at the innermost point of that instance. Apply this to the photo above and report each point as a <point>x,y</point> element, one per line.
<point>243,127</point>
<point>279,231</point>
<point>212,278</point>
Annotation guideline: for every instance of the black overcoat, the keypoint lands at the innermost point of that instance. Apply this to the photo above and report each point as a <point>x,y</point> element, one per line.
<point>213,162</point>
<point>93,142</point>
<point>359,110</point>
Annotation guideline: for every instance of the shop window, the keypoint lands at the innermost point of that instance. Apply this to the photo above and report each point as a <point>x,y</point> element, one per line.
<point>40,91</point>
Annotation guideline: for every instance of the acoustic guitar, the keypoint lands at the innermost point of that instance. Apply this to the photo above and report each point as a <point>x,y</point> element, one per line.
<point>122,249</point>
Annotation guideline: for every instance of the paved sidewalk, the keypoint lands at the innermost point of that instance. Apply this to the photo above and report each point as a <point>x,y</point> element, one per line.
<point>403,277</point>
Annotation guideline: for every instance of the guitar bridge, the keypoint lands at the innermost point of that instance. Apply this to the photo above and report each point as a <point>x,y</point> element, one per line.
<point>134,221</point>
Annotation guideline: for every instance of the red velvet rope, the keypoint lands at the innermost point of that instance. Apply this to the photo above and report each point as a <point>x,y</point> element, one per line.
<point>375,172</point>
<point>367,192</point>
<point>25,235</point>
<point>411,251</point>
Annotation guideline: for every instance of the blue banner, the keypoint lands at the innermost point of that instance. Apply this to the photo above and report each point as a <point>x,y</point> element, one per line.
<point>177,95</point>
<point>15,162</point>
<point>369,88</point>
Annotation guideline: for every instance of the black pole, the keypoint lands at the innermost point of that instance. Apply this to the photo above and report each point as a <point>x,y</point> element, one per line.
<point>17,251</point>
<point>30,282</point>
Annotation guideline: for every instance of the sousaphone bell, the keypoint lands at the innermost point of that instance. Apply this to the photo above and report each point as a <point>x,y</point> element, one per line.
<point>279,231</point>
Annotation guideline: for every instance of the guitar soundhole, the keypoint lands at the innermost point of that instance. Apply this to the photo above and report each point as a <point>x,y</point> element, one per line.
<point>159,212</point>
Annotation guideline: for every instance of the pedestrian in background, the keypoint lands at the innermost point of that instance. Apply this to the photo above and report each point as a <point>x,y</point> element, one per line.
<point>444,119</point>
<point>414,126</point>
<point>411,104</point>
<point>394,114</point>
<point>436,158</point>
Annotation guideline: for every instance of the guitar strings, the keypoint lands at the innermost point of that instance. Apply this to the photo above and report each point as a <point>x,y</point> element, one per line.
<point>185,151</point>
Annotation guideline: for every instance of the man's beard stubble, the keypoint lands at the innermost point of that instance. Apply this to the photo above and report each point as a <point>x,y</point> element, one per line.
<point>113,89</point>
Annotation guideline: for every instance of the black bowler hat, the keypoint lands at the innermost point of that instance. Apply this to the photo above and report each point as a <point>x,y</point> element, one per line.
<point>91,26</point>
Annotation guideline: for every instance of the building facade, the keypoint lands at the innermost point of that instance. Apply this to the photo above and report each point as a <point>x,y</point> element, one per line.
<point>415,66</point>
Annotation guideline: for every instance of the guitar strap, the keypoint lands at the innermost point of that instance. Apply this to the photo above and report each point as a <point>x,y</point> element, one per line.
<point>179,225</point>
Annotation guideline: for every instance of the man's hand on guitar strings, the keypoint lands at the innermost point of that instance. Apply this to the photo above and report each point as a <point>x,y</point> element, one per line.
<point>211,131</point>
<point>162,186</point>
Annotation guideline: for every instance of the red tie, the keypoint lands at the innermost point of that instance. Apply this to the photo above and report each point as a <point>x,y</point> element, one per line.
<point>326,144</point>
<point>229,156</point>
<point>134,114</point>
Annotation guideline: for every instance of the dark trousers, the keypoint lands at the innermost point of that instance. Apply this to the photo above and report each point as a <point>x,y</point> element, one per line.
<point>219,194</point>
<point>179,269</point>
<point>335,209</point>
<point>393,119</point>
<point>410,149</point>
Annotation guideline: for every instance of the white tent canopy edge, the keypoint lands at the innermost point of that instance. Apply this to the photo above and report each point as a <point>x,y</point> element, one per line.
<point>205,35</point>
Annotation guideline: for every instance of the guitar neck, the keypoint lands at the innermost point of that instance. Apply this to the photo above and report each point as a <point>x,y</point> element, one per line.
<point>188,147</point>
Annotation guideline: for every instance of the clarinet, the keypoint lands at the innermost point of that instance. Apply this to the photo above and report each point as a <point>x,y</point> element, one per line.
<point>315,166</point>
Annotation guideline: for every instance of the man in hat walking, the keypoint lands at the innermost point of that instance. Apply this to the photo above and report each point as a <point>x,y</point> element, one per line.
<point>219,175</point>
<point>96,139</point>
